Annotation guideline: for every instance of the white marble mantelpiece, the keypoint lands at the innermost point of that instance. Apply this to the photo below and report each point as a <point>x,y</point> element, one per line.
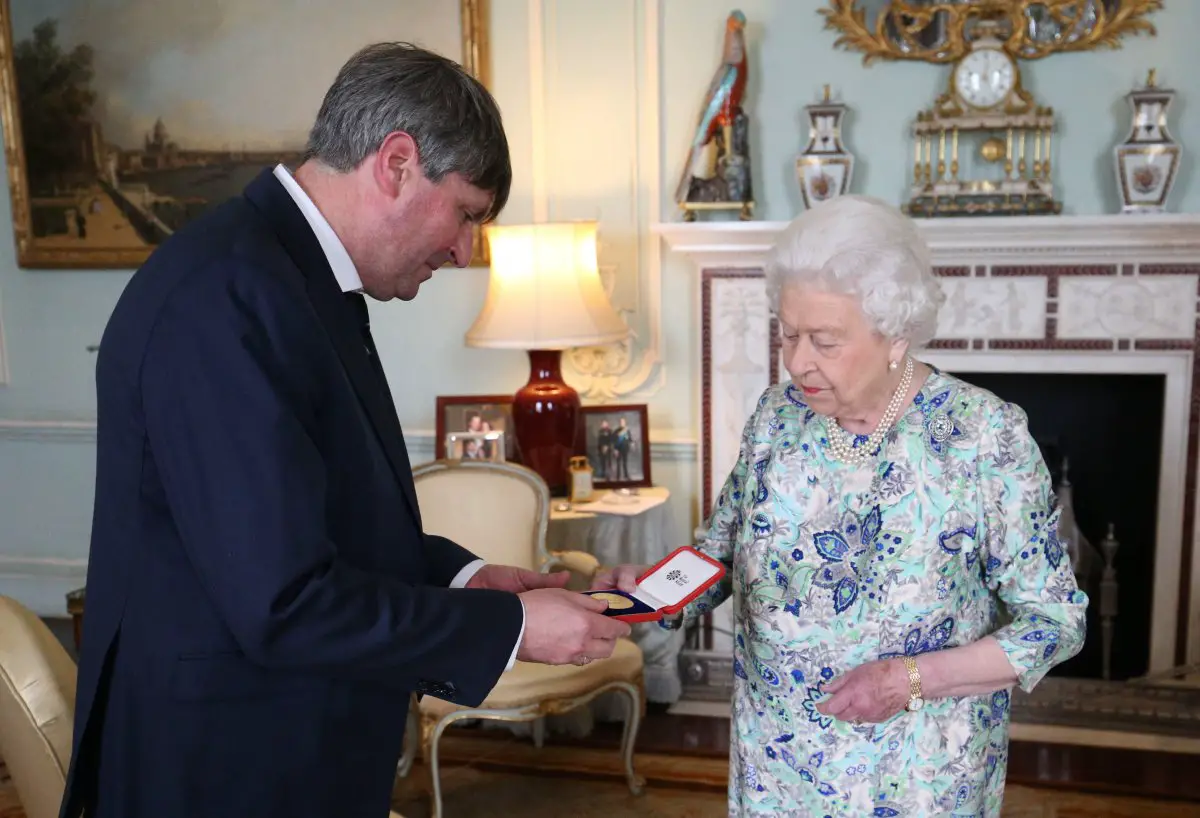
<point>1090,294</point>
<point>1163,238</point>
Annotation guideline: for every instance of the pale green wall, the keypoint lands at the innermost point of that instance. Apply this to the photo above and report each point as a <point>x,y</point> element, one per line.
<point>599,98</point>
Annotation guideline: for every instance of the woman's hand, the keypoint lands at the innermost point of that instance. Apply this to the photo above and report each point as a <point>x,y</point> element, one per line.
<point>622,577</point>
<point>869,693</point>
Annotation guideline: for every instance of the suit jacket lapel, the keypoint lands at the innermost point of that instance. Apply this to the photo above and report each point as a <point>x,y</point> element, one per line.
<point>274,202</point>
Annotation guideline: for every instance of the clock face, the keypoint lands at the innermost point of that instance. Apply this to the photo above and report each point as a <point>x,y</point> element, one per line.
<point>985,77</point>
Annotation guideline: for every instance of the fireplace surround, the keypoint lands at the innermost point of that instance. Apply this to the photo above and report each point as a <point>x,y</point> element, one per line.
<point>1069,295</point>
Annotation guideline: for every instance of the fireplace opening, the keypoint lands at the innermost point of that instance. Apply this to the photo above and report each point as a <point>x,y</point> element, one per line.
<point>1107,430</point>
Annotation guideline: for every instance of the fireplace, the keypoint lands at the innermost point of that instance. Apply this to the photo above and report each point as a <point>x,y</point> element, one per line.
<point>1105,480</point>
<point>1089,323</point>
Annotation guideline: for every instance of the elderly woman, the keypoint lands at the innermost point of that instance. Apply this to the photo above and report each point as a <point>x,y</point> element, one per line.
<point>890,535</point>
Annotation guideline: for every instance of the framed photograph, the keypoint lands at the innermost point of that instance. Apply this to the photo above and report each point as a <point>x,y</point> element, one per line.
<point>616,444</point>
<point>475,446</point>
<point>123,122</point>
<point>486,419</point>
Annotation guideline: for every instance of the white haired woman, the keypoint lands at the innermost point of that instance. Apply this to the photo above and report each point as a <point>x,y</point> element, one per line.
<point>890,534</point>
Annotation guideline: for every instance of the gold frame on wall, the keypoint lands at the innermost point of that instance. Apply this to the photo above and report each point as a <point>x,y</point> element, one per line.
<point>476,58</point>
<point>908,22</point>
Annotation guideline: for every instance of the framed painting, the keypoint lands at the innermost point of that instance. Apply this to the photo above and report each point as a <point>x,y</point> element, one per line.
<point>617,445</point>
<point>125,119</point>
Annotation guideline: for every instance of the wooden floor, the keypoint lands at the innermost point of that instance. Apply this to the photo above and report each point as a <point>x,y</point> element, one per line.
<point>491,772</point>
<point>694,750</point>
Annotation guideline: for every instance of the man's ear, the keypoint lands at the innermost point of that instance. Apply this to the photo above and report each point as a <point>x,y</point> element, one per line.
<point>395,163</point>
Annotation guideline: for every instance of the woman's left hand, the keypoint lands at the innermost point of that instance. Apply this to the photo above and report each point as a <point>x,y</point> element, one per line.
<point>869,693</point>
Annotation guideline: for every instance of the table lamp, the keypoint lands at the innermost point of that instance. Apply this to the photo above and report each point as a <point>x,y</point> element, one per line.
<point>545,295</point>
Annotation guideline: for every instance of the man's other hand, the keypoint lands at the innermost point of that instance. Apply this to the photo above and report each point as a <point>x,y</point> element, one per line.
<point>516,580</point>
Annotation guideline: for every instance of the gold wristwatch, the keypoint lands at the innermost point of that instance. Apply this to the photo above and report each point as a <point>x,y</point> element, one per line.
<point>915,702</point>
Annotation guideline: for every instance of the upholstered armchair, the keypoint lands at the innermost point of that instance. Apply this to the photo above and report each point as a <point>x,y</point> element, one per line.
<point>501,511</point>
<point>37,709</point>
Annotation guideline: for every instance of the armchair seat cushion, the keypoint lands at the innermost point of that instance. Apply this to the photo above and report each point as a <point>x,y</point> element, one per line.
<point>530,683</point>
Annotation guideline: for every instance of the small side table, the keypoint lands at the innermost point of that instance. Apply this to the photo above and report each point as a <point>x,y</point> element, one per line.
<point>640,530</point>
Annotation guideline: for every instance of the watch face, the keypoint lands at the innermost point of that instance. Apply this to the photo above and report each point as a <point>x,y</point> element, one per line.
<point>984,77</point>
<point>916,704</point>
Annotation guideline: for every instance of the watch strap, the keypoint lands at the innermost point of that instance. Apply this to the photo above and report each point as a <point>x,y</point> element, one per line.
<point>914,677</point>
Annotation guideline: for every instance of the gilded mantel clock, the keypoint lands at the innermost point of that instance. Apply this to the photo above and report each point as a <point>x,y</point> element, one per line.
<point>984,147</point>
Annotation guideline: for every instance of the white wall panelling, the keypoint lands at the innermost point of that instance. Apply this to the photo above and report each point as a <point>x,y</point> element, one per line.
<point>596,156</point>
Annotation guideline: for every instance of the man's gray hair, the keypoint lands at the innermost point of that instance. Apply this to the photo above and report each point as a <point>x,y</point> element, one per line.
<point>864,247</point>
<point>389,87</point>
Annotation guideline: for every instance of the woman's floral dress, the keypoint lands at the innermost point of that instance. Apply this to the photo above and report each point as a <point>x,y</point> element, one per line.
<point>951,536</point>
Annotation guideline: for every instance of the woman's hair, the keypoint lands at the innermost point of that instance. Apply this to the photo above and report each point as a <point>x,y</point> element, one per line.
<point>864,247</point>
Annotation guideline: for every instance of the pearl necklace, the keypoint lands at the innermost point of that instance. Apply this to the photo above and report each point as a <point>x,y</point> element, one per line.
<point>841,442</point>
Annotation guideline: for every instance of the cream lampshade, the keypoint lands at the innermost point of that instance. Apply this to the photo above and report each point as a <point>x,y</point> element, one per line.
<point>544,291</point>
<point>545,295</point>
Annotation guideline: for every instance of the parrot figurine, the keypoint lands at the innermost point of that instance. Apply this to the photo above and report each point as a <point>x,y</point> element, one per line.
<point>722,103</point>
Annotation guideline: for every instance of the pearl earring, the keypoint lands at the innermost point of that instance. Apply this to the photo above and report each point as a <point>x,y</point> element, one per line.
<point>892,365</point>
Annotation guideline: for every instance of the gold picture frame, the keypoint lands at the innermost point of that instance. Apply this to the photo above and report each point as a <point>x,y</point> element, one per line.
<point>68,212</point>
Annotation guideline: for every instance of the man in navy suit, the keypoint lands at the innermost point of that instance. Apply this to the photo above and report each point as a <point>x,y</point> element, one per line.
<point>261,598</point>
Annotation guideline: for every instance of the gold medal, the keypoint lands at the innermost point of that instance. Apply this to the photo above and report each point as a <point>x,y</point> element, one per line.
<point>615,601</point>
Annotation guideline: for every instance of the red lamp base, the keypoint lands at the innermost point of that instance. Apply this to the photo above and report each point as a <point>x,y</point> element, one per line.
<point>546,416</point>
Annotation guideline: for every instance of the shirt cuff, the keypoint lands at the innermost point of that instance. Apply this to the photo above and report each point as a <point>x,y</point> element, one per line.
<point>460,581</point>
<point>512,660</point>
<point>466,572</point>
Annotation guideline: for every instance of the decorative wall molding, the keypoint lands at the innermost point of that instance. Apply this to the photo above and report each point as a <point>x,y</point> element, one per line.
<point>630,256</point>
<point>17,567</point>
<point>670,447</point>
<point>539,180</point>
<point>41,583</point>
<point>667,448</point>
<point>1161,238</point>
<point>48,431</point>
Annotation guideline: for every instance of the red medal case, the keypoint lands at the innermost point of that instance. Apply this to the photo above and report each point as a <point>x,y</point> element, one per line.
<point>668,587</point>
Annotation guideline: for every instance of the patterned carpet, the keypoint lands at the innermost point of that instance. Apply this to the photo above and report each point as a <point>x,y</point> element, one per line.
<point>473,793</point>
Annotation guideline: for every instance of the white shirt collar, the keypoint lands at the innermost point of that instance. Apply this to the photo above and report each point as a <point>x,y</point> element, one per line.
<point>335,252</point>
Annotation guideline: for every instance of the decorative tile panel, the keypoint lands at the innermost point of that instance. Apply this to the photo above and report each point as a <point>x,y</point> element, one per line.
<point>993,308</point>
<point>1135,307</point>
<point>737,353</point>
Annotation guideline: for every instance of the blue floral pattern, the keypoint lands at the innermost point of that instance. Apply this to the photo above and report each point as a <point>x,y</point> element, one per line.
<point>952,538</point>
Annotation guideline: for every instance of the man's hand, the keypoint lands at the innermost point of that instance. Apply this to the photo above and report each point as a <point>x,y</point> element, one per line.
<point>563,627</point>
<point>516,580</point>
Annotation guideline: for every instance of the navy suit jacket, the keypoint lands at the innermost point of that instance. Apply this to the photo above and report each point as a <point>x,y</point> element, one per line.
<point>261,598</point>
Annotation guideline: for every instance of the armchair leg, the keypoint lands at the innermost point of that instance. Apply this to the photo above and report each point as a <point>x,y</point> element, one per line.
<point>539,732</point>
<point>633,720</point>
<point>412,738</point>
<point>431,755</point>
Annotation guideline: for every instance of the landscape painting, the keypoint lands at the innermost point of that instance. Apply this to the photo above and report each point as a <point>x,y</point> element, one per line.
<point>125,119</point>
